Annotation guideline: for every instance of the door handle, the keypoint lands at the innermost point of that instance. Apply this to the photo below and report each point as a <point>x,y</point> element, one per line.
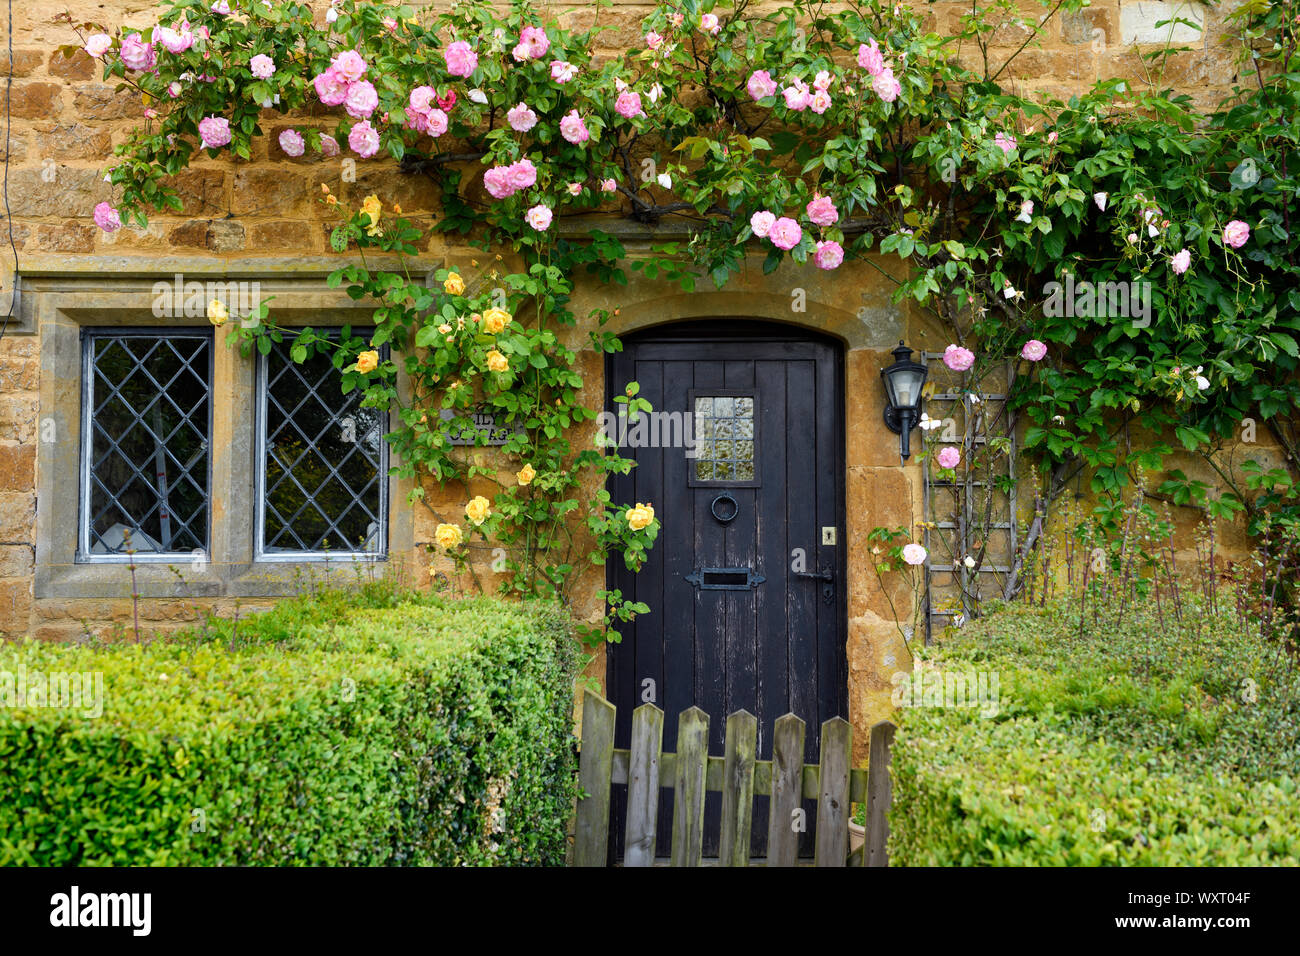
<point>826,576</point>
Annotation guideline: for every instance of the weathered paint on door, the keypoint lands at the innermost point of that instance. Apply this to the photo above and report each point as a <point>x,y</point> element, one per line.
<point>745,586</point>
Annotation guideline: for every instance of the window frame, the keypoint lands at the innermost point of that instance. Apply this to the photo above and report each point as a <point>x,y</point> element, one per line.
<point>260,420</point>
<point>88,334</point>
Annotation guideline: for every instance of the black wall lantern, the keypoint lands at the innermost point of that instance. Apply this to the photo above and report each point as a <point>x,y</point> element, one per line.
<point>903,381</point>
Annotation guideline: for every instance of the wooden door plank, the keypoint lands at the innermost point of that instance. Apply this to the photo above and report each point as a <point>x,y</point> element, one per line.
<point>738,789</point>
<point>833,802</point>
<point>675,616</point>
<point>643,786</point>
<point>710,619</point>
<point>688,788</point>
<point>591,830</point>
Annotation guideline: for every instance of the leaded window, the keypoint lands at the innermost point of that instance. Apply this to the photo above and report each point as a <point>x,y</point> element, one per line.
<point>724,437</point>
<point>323,461</point>
<point>146,426</point>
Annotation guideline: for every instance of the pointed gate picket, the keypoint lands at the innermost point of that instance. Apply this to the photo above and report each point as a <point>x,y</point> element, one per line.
<point>691,772</point>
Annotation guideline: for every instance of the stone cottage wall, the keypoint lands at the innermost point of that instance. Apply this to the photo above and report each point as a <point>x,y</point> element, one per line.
<point>263,217</point>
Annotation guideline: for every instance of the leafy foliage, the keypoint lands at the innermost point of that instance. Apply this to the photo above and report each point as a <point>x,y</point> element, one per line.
<point>371,727</point>
<point>1131,744</point>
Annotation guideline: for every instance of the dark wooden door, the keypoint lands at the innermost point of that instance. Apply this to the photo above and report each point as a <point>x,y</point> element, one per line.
<point>749,514</point>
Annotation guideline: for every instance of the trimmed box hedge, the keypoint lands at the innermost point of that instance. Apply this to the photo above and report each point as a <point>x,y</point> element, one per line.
<point>1146,742</point>
<point>344,728</point>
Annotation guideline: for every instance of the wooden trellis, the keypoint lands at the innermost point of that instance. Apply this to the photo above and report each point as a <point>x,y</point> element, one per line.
<point>969,515</point>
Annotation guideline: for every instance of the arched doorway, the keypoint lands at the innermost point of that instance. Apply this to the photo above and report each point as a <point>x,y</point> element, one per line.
<point>743,460</point>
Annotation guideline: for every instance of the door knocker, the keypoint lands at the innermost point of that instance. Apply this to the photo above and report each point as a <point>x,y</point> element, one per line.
<point>723,499</point>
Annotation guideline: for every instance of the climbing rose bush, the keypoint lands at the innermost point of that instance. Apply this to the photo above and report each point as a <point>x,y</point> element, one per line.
<point>798,134</point>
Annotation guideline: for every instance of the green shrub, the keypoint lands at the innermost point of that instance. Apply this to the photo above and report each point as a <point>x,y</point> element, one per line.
<point>1143,742</point>
<point>368,728</point>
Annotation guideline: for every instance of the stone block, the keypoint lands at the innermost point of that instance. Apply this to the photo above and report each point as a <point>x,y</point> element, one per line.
<point>1138,22</point>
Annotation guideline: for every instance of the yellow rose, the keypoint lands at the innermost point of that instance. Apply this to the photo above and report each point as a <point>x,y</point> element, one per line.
<point>477,510</point>
<point>373,208</point>
<point>448,536</point>
<point>453,284</point>
<point>497,362</point>
<point>640,516</point>
<point>217,313</point>
<point>525,475</point>
<point>495,321</point>
<point>367,361</point>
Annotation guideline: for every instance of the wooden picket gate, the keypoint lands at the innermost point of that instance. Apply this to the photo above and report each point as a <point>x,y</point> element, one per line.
<point>739,777</point>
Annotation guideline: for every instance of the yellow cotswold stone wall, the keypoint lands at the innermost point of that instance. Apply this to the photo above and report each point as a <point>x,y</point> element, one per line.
<point>66,121</point>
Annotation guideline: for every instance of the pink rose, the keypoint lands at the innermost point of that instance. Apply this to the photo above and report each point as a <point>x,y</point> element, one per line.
<point>214,131</point>
<point>914,553</point>
<point>363,139</point>
<point>797,97</point>
<point>329,145</point>
<point>497,182</point>
<point>421,99</point>
<point>575,189</point>
<point>448,101</point>
<point>562,71</point>
<point>107,218</point>
<point>957,358</point>
<point>262,66</point>
<point>175,41</point>
<point>886,85</point>
<point>829,255</point>
<point>785,233</point>
<point>1033,350</point>
<point>539,217</point>
<point>522,174</point>
<point>608,185</point>
<point>97,44</point>
<point>820,102</point>
<point>573,128</point>
<point>435,123</point>
<point>460,59</point>
<point>709,23</point>
<point>361,99</point>
<point>1181,261</point>
<point>331,87</point>
<point>136,54</point>
<point>870,58</point>
<point>1004,142</point>
<point>533,44</point>
<point>761,84</point>
<point>173,89</point>
<point>1236,233</point>
<point>628,104</point>
<point>349,65</point>
<point>948,457</point>
<point>521,118</point>
<point>761,223</point>
<point>822,212</point>
<point>292,143</point>
<point>653,40</point>
<point>221,7</point>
